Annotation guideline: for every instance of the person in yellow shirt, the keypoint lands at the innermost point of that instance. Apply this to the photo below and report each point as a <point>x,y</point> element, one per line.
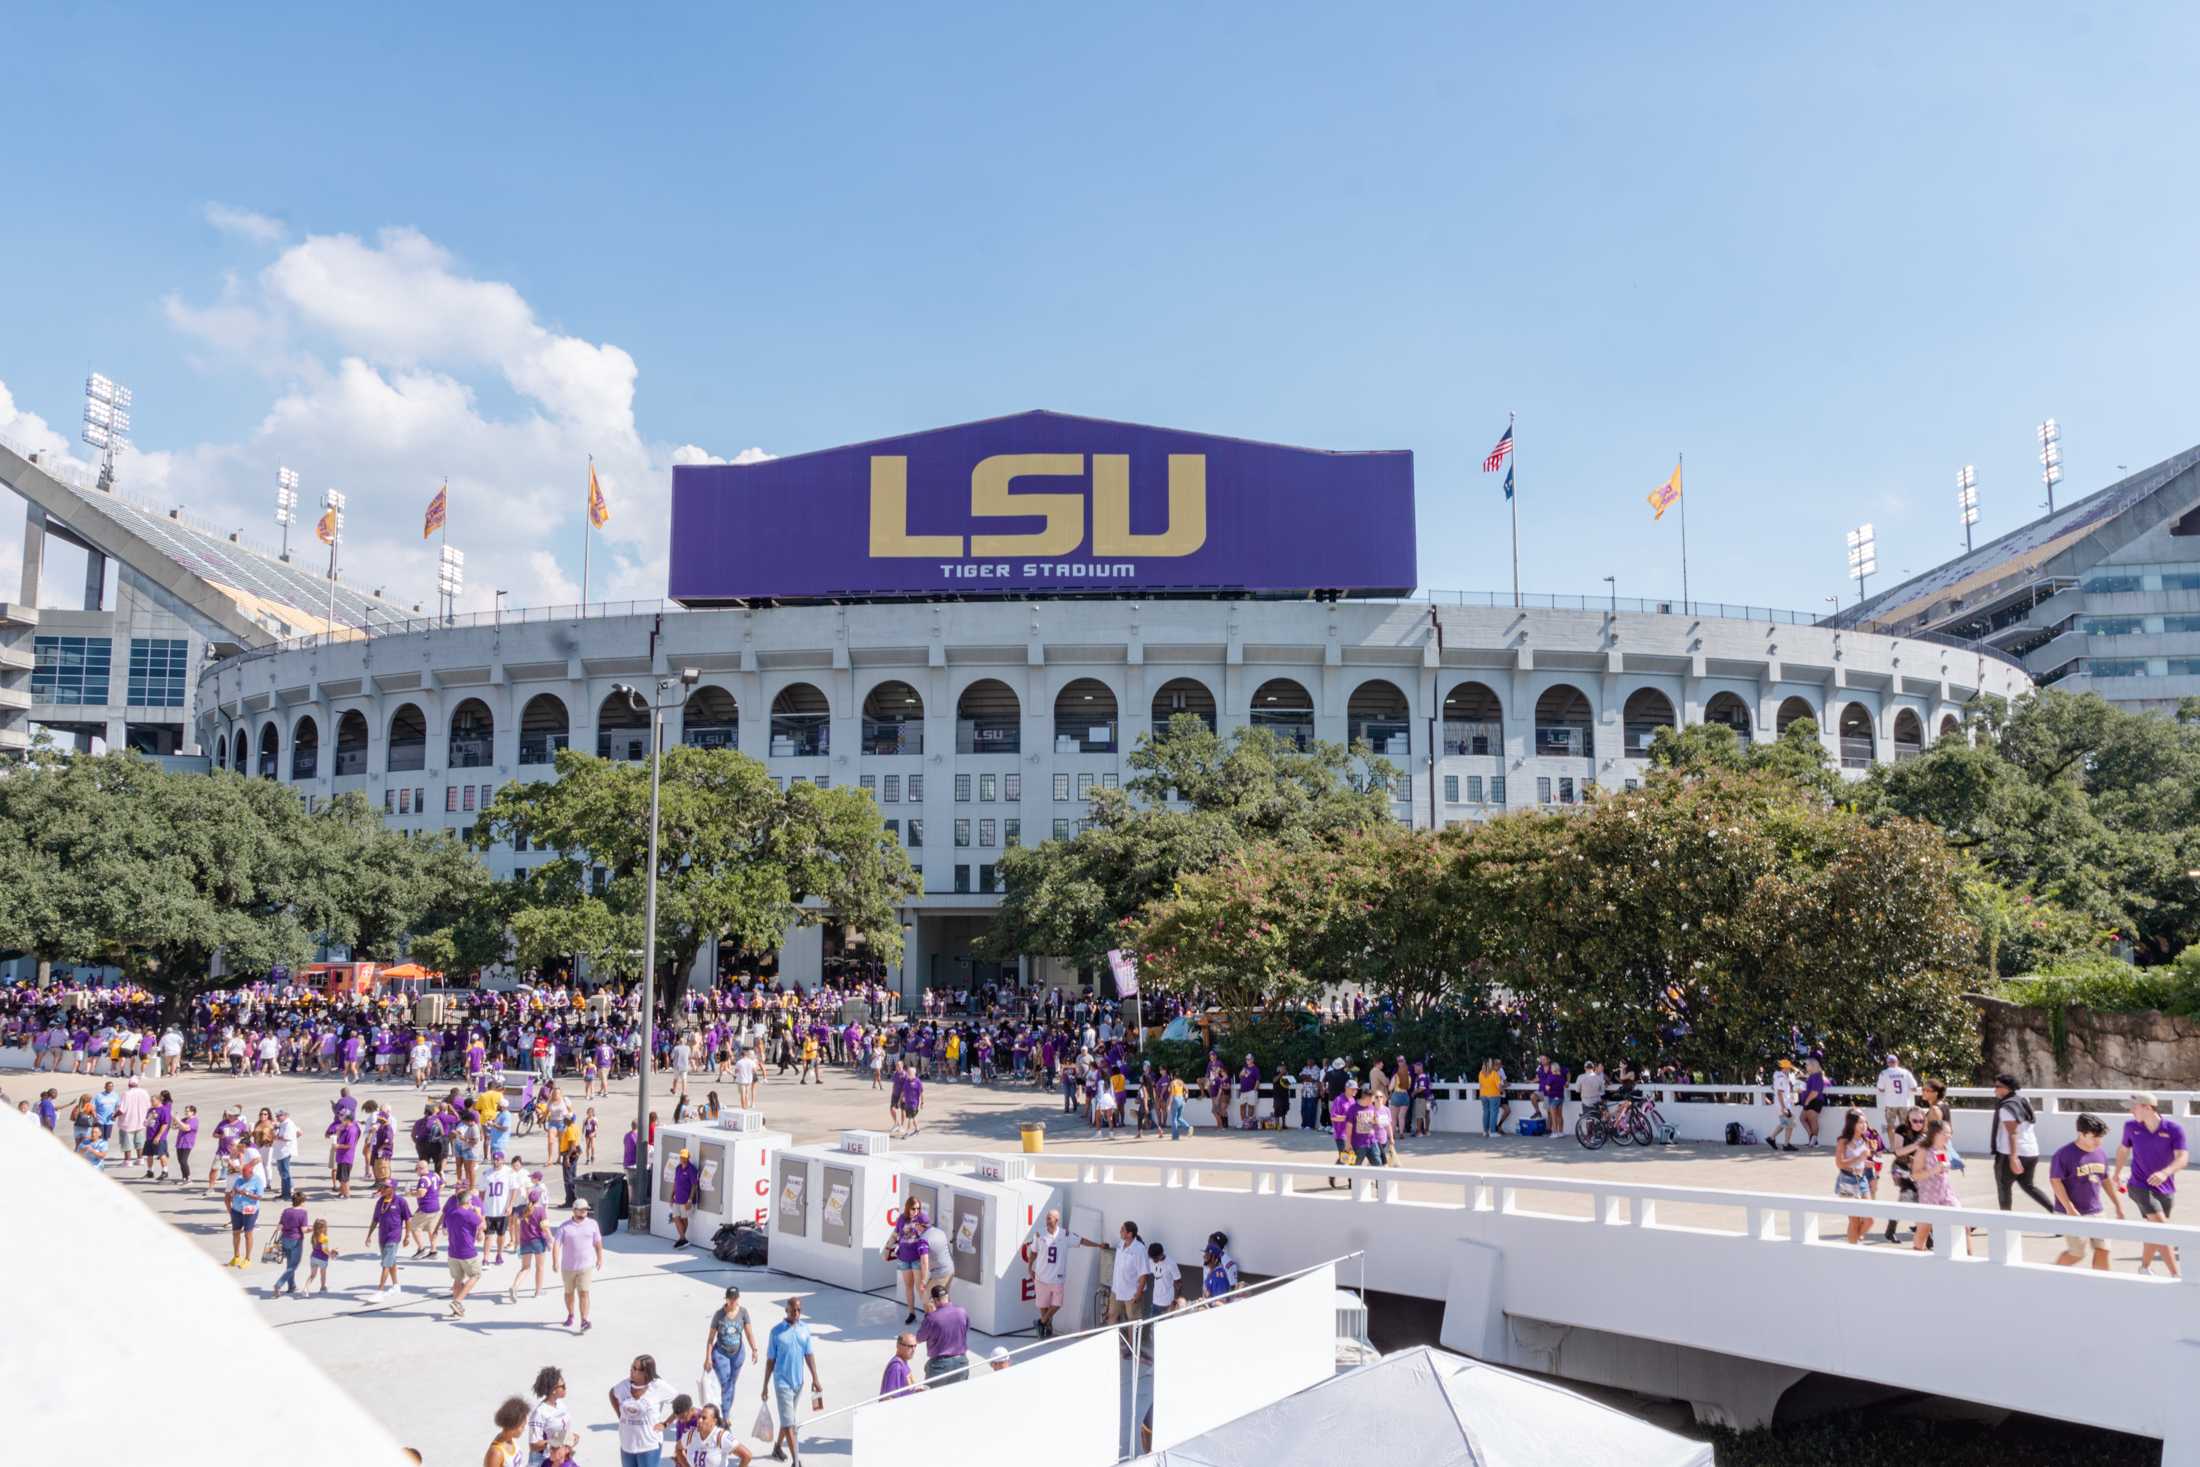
<point>1491,1086</point>
<point>810,1064</point>
<point>1177,1127</point>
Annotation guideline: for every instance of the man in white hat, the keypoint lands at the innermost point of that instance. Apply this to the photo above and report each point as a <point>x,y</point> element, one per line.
<point>580,1254</point>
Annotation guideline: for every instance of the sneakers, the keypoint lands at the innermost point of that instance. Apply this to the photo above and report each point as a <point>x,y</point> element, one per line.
<point>1772,1143</point>
<point>912,1318</point>
<point>586,1326</point>
<point>568,1319</point>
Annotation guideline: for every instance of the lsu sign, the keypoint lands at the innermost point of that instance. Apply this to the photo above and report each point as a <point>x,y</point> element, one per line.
<point>1043,502</point>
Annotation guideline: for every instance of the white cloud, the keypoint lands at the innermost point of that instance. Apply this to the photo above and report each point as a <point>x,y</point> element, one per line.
<point>246,224</point>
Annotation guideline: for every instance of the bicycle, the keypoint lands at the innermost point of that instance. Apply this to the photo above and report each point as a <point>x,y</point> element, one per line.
<point>1593,1127</point>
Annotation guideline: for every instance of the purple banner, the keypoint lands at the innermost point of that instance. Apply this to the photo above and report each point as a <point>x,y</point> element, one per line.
<point>1043,502</point>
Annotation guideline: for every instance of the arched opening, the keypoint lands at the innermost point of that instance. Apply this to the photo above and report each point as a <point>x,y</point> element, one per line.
<point>240,752</point>
<point>1474,720</point>
<point>1565,725</point>
<point>408,740</point>
<point>1084,718</point>
<point>893,720</point>
<point>1182,697</point>
<point>801,722</point>
<point>711,720</point>
<point>351,743</point>
<point>1377,713</point>
<point>305,749</point>
<point>271,753</point>
<point>1646,711</point>
<point>1283,708</point>
<point>1857,744</point>
<point>988,719</point>
<point>1909,735</point>
<point>1951,727</point>
<point>1792,709</point>
<point>543,729</point>
<point>1729,711</point>
<point>472,735</point>
<point>622,730</point>
<point>216,746</point>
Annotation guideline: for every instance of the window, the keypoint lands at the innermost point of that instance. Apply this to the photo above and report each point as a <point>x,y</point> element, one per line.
<point>892,792</point>
<point>795,779</point>
<point>313,804</point>
<point>420,799</point>
<point>2112,626</point>
<point>1634,784</point>
<point>70,669</point>
<point>962,789</point>
<point>986,834</point>
<point>822,781</point>
<point>988,788</point>
<point>2181,581</point>
<point>962,879</point>
<point>450,799</point>
<point>1474,789</point>
<point>1084,785</point>
<point>1083,826</point>
<point>962,832</point>
<point>158,666</point>
<point>2184,666</point>
<point>1497,789</point>
<point>916,788</point>
<point>1012,786</point>
<point>2116,666</point>
<point>916,834</point>
<point>2111,585</point>
<point>1110,781</point>
<point>488,793</point>
<point>985,879</point>
<point>1543,789</point>
<point>2181,623</point>
<point>469,803</point>
<point>1451,789</point>
<point>389,802</point>
<point>598,879</point>
<point>404,802</point>
<point>519,843</point>
<point>893,830</point>
<point>868,783</point>
<point>1565,790</point>
<point>1061,786</point>
<point>1012,832</point>
<point>1061,828</point>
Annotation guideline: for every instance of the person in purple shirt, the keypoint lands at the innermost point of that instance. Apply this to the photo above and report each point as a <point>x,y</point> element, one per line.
<point>897,1381</point>
<point>159,1121</point>
<point>2080,1175</point>
<point>686,1177</point>
<point>290,1228</point>
<point>187,1136</point>
<point>2154,1152</point>
<point>1341,1111</point>
<point>1248,1095</point>
<point>909,1251</point>
<point>1550,1086</point>
<point>344,1148</point>
<point>945,1335</point>
<point>427,1210</point>
<point>462,1225</point>
<point>1814,1098</point>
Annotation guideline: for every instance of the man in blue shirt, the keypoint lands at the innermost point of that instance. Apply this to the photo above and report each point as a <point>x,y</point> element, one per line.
<point>104,1106</point>
<point>785,1355</point>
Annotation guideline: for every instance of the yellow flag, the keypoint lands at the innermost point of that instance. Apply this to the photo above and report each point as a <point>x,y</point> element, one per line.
<point>1666,495</point>
<point>599,510</point>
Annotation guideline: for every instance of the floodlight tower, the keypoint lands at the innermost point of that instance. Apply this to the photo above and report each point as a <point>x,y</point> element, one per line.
<point>450,579</point>
<point>1967,501</point>
<point>286,503</point>
<point>106,422</point>
<point>1863,556</point>
<point>331,531</point>
<point>2050,433</point>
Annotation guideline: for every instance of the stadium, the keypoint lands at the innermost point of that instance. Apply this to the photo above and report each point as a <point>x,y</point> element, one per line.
<point>929,618</point>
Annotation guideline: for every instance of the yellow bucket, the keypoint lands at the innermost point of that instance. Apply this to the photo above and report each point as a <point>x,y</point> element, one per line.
<point>1035,1136</point>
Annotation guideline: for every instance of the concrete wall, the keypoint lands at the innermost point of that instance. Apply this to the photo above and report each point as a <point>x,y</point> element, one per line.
<point>2148,1050</point>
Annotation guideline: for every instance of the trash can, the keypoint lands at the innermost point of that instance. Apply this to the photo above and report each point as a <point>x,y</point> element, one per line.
<point>606,1194</point>
<point>1035,1136</point>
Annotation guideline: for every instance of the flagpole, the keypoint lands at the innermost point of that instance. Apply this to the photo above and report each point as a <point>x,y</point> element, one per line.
<point>1680,465</point>
<point>587,505</point>
<point>1513,499</point>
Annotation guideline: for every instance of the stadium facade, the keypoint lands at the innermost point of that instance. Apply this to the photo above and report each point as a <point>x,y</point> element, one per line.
<point>977,625</point>
<point>2102,595</point>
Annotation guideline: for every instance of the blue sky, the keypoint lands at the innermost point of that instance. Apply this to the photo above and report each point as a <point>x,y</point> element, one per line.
<point>1832,255</point>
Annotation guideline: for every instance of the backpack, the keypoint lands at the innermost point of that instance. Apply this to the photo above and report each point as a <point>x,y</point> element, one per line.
<point>741,1243</point>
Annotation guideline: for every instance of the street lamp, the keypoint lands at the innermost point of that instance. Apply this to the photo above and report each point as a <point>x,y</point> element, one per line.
<point>638,1184</point>
<point>286,503</point>
<point>1613,582</point>
<point>500,606</point>
<point>2050,435</point>
<point>1967,501</point>
<point>106,422</point>
<point>1863,556</point>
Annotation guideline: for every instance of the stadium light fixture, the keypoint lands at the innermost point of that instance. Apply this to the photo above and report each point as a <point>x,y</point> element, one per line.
<point>450,579</point>
<point>1967,501</point>
<point>106,422</point>
<point>286,503</point>
<point>1863,555</point>
<point>2050,435</point>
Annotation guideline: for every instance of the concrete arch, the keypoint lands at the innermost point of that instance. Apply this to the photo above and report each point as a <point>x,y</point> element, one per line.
<point>1731,710</point>
<point>1378,711</point>
<point>1646,710</point>
<point>305,747</point>
<point>1565,722</point>
<point>1795,706</point>
<point>352,740</point>
<point>1088,717</point>
<point>801,721</point>
<point>471,736</point>
<point>711,718</point>
<point>989,717</point>
<point>270,762</point>
<point>407,748</point>
<point>1184,696</point>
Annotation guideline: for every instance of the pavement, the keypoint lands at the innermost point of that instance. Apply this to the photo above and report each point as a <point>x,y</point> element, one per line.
<point>437,1380</point>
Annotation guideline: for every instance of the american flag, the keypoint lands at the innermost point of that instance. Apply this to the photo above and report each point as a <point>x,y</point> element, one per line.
<point>1499,454</point>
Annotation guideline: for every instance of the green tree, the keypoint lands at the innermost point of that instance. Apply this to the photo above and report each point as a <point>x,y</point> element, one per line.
<point>738,859</point>
<point>1798,755</point>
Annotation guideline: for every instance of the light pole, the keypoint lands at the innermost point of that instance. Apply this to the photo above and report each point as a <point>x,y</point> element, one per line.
<point>1613,582</point>
<point>1967,501</point>
<point>286,504</point>
<point>2050,436</point>
<point>106,422</point>
<point>450,579</point>
<point>499,612</point>
<point>638,1183</point>
<point>1863,556</point>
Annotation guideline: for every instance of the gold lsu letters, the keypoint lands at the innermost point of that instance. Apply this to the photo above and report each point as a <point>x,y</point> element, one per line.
<point>991,497</point>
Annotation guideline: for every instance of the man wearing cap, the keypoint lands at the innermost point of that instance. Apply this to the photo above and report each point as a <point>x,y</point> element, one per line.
<point>2153,1148</point>
<point>285,1149</point>
<point>580,1254</point>
<point>1897,1093</point>
<point>685,1178</point>
<point>945,1335</point>
<point>998,1360</point>
<point>386,1229</point>
<point>1783,1100</point>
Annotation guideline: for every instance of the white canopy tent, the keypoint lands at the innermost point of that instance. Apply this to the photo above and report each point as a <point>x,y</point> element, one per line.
<point>1435,1410</point>
<point>122,1334</point>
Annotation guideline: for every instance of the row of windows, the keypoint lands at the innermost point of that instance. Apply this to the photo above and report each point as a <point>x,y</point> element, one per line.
<point>2126,581</point>
<point>2133,626</point>
<point>158,668</point>
<point>2142,666</point>
<point>1475,787</point>
<point>70,669</point>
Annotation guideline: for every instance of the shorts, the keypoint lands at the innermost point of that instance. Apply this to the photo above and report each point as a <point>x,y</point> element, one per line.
<point>494,1226</point>
<point>908,1265</point>
<point>788,1400</point>
<point>1050,1296</point>
<point>2079,1243</point>
<point>343,1171</point>
<point>133,1140</point>
<point>1854,1185</point>
<point>1815,1103</point>
<point>242,1222</point>
<point>576,1278</point>
<point>2151,1203</point>
<point>389,1255</point>
<point>680,1211</point>
<point>534,1246</point>
<point>157,1148</point>
<point>465,1269</point>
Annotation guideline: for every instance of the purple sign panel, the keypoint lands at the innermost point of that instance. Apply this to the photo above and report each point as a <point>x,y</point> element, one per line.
<point>1043,502</point>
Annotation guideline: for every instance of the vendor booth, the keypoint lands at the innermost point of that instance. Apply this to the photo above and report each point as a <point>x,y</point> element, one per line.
<point>833,1210</point>
<point>733,1156</point>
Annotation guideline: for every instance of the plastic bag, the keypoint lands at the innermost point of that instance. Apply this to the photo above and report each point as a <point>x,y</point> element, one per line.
<point>765,1427</point>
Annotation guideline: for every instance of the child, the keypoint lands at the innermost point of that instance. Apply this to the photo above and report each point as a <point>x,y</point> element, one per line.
<point>588,1134</point>
<point>421,1227</point>
<point>187,1136</point>
<point>323,1251</point>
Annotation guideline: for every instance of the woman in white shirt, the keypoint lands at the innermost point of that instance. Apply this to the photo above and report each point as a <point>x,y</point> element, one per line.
<point>642,1403</point>
<point>549,1422</point>
<point>710,1444</point>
